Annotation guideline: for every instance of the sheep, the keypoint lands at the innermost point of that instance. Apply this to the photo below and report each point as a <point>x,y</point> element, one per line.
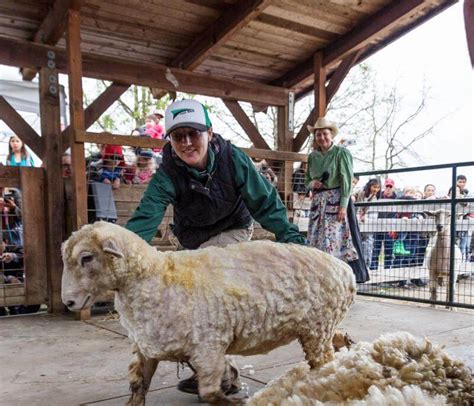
<point>438,259</point>
<point>197,306</point>
<point>396,369</point>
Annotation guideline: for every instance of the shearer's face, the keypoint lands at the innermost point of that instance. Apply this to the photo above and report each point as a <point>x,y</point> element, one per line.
<point>191,146</point>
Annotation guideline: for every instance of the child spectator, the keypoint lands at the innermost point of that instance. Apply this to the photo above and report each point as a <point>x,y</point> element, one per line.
<point>153,128</point>
<point>112,165</point>
<point>144,167</point>
<point>17,153</point>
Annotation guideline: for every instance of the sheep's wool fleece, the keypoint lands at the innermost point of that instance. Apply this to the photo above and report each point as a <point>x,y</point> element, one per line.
<point>246,298</point>
<point>397,369</point>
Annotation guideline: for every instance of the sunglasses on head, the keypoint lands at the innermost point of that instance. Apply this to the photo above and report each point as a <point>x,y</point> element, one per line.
<point>390,186</point>
<point>182,135</point>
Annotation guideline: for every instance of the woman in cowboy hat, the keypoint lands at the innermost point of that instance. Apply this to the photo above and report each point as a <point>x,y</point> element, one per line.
<point>333,226</point>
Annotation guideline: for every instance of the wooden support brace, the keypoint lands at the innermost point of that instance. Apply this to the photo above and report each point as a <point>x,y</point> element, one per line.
<point>98,107</point>
<point>246,124</point>
<point>340,74</point>
<point>20,127</point>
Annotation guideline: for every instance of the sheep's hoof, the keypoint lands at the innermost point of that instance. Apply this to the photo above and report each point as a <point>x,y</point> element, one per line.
<point>136,400</point>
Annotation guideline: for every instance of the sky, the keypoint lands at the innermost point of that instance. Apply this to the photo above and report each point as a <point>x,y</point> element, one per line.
<point>434,53</point>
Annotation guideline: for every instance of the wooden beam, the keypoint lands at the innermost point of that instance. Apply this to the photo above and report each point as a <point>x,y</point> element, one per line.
<point>20,127</point>
<point>54,24</point>
<point>34,226</point>
<point>145,142</point>
<point>249,128</point>
<point>358,37</point>
<point>76,108</point>
<point>303,133</point>
<point>320,105</point>
<point>52,28</point>
<point>51,134</point>
<point>339,75</point>
<point>24,53</point>
<point>218,33</point>
<point>98,107</point>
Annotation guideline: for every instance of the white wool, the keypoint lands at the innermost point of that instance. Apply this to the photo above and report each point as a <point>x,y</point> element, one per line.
<point>397,369</point>
<point>245,299</point>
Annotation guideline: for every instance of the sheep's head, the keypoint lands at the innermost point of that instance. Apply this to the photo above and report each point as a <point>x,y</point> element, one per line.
<point>442,218</point>
<point>90,258</point>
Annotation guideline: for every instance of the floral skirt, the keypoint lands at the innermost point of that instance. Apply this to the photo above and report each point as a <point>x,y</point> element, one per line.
<point>325,232</point>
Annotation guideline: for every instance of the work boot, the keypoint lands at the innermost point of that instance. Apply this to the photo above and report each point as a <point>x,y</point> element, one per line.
<point>230,381</point>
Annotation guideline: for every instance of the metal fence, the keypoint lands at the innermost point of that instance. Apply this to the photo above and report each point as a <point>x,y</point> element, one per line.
<point>420,249</point>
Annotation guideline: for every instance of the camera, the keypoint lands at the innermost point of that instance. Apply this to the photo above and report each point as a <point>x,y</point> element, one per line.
<point>8,196</point>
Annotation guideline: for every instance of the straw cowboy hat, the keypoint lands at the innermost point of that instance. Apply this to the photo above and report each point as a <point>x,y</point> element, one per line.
<point>323,122</point>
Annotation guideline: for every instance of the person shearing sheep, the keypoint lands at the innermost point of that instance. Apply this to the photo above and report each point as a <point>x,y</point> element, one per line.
<point>215,192</point>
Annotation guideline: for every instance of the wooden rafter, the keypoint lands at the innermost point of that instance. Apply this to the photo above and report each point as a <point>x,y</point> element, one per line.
<point>97,108</point>
<point>20,127</point>
<point>357,38</point>
<point>339,74</point>
<point>331,88</point>
<point>24,53</point>
<point>212,38</point>
<point>52,28</point>
<point>249,128</point>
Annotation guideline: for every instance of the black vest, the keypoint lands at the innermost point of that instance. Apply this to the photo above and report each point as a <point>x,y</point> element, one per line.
<point>205,208</point>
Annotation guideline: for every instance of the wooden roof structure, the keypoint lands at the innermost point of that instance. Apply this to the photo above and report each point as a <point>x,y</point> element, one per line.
<point>263,41</point>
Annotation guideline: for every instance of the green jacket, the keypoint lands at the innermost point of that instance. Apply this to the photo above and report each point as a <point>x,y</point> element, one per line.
<point>338,163</point>
<point>259,196</point>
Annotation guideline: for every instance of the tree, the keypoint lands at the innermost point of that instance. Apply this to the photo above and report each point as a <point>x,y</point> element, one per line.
<point>129,111</point>
<point>381,127</point>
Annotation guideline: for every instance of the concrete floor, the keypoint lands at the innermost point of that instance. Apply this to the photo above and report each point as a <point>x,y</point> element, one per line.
<point>55,360</point>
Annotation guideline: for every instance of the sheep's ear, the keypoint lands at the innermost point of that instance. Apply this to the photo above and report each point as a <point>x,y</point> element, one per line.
<point>429,213</point>
<point>110,247</point>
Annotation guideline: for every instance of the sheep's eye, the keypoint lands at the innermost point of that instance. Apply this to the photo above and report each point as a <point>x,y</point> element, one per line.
<point>85,259</point>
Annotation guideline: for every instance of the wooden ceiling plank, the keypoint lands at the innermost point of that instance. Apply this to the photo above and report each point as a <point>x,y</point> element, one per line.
<point>217,33</point>
<point>20,127</point>
<point>354,39</point>
<point>23,53</point>
<point>249,128</point>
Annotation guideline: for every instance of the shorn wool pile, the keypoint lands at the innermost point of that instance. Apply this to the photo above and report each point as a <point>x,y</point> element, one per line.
<point>395,370</point>
<point>200,305</point>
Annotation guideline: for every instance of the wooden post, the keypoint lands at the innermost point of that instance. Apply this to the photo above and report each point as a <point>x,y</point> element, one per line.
<point>76,109</point>
<point>319,86</point>
<point>51,135</point>
<point>284,143</point>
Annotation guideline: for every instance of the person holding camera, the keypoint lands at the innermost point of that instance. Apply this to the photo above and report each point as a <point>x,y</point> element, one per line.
<point>333,224</point>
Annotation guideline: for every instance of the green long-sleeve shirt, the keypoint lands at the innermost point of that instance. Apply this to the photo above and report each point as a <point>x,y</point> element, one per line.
<point>259,196</point>
<point>338,163</point>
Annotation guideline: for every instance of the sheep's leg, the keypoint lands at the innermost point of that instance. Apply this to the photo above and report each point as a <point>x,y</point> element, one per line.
<point>317,350</point>
<point>140,372</point>
<point>210,368</point>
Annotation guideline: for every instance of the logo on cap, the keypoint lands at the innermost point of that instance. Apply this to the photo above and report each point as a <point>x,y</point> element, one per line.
<point>181,111</point>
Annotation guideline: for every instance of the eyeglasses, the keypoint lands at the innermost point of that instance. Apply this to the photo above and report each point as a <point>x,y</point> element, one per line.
<point>180,136</point>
